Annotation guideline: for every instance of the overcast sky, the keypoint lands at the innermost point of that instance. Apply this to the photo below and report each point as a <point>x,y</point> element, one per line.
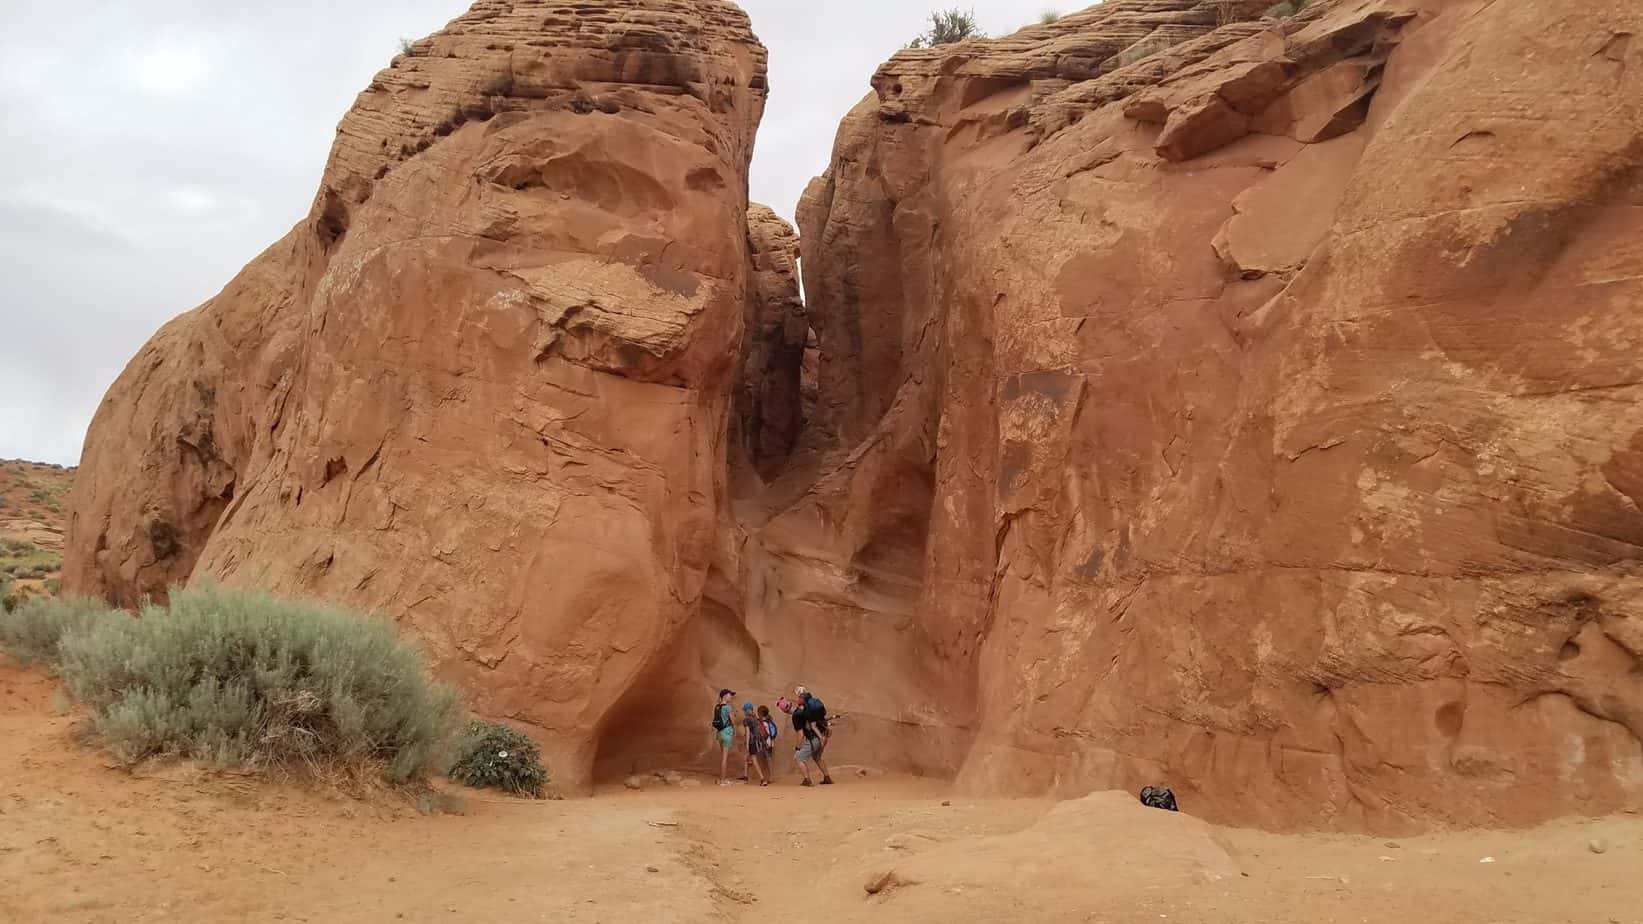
<point>149,150</point>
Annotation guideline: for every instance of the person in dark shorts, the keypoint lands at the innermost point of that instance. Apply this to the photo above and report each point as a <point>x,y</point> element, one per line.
<point>810,721</point>
<point>770,731</point>
<point>758,745</point>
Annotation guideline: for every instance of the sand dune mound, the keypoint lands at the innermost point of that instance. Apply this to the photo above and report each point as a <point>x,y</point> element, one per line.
<point>1102,850</point>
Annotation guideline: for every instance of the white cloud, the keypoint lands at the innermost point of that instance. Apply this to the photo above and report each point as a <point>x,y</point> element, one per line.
<point>193,200</point>
<point>176,63</point>
<point>151,150</point>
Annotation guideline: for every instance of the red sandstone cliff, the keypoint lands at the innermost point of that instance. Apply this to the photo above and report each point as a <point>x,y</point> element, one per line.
<point>1262,400</point>
<point>482,388</point>
<point>1183,396</point>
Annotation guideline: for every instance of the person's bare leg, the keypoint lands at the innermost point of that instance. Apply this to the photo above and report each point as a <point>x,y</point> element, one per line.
<point>724,763</point>
<point>826,777</point>
<point>762,762</point>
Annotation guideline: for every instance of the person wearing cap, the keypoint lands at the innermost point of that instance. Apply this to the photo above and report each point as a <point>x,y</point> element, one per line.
<point>810,721</point>
<point>758,746</point>
<point>725,729</point>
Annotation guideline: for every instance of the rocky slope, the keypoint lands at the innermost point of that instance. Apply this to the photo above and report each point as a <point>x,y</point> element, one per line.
<point>1184,395</point>
<point>32,516</point>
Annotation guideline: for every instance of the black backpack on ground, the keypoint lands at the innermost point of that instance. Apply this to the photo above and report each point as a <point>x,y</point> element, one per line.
<point>1159,798</point>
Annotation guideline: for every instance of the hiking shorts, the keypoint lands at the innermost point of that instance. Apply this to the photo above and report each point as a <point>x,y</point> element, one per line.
<point>811,749</point>
<point>727,738</point>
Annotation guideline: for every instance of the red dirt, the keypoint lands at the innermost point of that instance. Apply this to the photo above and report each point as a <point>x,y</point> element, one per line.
<point>83,841</point>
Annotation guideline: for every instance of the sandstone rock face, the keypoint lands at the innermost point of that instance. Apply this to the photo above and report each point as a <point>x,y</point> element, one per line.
<point>1246,405</point>
<point>1260,399</point>
<point>770,409</point>
<point>483,387</point>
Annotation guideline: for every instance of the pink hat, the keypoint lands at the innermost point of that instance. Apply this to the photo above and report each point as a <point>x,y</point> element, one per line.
<point>784,704</point>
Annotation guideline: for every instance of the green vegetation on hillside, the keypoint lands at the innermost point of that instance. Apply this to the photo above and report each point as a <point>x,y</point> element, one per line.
<point>34,489</point>
<point>22,559</point>
<point>947,27</point>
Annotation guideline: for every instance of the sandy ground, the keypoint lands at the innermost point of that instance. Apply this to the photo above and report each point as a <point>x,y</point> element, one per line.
<point>81,841</point>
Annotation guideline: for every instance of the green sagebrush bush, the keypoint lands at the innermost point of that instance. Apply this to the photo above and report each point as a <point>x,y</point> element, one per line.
<point>494,756</point>
<point>242,679</point>
<point>34,628</point>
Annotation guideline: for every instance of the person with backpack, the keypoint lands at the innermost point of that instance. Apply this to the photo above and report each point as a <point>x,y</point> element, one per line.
<point>758,746</point>
<point>770,738</point>
<point>725,730</point>
<point>810,721</point>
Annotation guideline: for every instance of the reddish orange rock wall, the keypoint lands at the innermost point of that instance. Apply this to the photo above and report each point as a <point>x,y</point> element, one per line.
<point>482,389</point>
<point>1273,397</point>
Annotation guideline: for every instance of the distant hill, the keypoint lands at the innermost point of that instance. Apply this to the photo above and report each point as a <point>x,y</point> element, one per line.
<point>33,517</point>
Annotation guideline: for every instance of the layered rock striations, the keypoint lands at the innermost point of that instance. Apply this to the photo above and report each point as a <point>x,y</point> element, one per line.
<point>1182,394</point>
<point>1272,388</point>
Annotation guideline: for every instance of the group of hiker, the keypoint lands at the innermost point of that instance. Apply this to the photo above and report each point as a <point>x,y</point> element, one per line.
<point>759,731</point>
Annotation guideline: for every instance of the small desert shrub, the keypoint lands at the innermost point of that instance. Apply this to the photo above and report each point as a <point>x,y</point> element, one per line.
<point>947,27</point>
<point>1286,8</point>
<point>494,756</point>
<point>35,627</point>
<point>1047,17</point>
<point>54,586</point>
<point>246,680</point>
<point>406,46</point>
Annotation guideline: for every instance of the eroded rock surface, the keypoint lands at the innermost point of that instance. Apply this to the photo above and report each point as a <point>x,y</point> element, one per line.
<point>1273,386</point>
<point>770,410</point>
<point>483,387</point>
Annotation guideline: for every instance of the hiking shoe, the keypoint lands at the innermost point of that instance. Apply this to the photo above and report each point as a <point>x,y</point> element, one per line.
<point>827,781</point>
<point>764,782</point>
<point>807,783</point>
